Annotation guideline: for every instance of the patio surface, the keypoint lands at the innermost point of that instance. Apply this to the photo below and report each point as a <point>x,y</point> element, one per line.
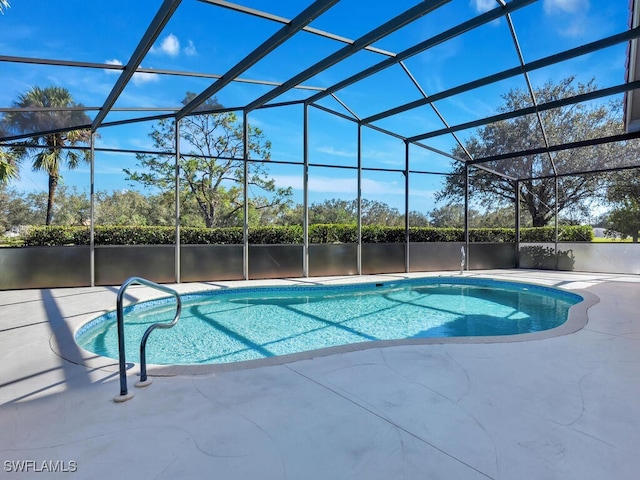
<point>562,407</point>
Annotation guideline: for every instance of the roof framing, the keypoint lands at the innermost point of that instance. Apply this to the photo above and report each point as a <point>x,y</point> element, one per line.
<point>301,23</point>
<point>374,35</point>
<point>289,30</point>
<point>421,47</point>
<point>512,72</point>
<point>165,12</point>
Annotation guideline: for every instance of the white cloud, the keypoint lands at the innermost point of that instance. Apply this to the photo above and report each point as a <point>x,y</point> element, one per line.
<point>140,78</point>
<point>575,29</point>
<point>332,185</point>
<point>317,184</point>
<point>387,155</point>
<point>378,155</point>
<point>170,45</point>
<point>482,6</point>
<point>102,170</point>
<point>337,153</point>
<point>320,184</point>
<point>190,49</point>
<point>373,187</point>
<point>284,181</point>
<point>113,61</point>
<point>572,14</point>
<point>565,6</point>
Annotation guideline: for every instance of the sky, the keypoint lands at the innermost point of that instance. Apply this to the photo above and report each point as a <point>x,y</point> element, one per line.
<point>201,37</point>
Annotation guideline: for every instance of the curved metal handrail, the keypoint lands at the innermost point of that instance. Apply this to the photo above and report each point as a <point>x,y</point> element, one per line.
<point>124,395</point>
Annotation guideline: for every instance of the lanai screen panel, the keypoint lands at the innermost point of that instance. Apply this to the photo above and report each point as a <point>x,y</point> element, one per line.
<point>124,60</point>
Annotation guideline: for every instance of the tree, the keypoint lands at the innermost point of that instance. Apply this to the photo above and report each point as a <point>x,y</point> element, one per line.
<point>126,207</point>
<point>73,207</point>
<point>8,160</point>
<point>20,209</point>
<point>625,219</point>
<point>6,201</point>
<point>47,150</point>
<point>375,212</point>
<point>212,170</point>
<point>418,219</point>
<point>337,210</point>
<point>8,166</point>
<point>623,193</point>
<point>340,211</point>
<point>498,218</point>
<point>562,125</point>
<point>452,215</point>
<point>334,210</point>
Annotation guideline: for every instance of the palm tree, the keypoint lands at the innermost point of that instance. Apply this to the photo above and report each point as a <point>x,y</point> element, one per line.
<point>47,150</point>
<point>8,160</point>
<point>8,167</point>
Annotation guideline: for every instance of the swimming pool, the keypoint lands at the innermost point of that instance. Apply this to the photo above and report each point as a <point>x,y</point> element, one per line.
<point>239,324</point>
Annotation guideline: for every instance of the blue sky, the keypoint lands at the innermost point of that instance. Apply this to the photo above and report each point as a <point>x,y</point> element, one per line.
<point>204,38</point>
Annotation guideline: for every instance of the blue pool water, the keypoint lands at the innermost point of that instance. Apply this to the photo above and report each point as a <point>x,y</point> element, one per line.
<point>250,323</point>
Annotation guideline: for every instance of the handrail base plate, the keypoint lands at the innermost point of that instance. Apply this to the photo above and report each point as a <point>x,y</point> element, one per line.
<point>123,398</point>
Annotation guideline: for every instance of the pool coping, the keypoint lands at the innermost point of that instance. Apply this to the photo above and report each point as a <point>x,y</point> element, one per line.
<point>69,350</point>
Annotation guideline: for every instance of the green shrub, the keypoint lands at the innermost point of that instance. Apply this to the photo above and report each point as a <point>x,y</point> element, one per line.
<point>382,234</point>
<point>271,235</point>
<point>537,234</point>
<point>566,233</point>
<point>320,233</point>
<point>81,236</point>
<point>433,234</point>
<point>125,235</point>
<point>492,235</point>
<point>211,236</point>
<point>50,236</point>
<point>575,233</point>
<point>333,233</point>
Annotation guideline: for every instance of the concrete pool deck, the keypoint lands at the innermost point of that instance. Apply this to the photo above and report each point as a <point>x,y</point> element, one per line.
<point>562,407</point>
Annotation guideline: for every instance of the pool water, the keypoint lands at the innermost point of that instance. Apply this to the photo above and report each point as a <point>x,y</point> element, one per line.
<point>244,324</point>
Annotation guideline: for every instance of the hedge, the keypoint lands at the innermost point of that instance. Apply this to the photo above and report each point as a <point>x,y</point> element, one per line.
<point>566,233</point>
<point>333,233</point>
<point>321,233</point>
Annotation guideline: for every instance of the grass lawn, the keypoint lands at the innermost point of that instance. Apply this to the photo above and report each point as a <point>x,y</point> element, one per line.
<point>611,240</point>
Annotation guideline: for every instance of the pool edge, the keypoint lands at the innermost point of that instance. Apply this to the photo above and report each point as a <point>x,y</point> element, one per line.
<point>577,319</point>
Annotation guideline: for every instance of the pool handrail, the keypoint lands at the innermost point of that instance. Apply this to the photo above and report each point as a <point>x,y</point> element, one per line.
<point>124,395</point>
